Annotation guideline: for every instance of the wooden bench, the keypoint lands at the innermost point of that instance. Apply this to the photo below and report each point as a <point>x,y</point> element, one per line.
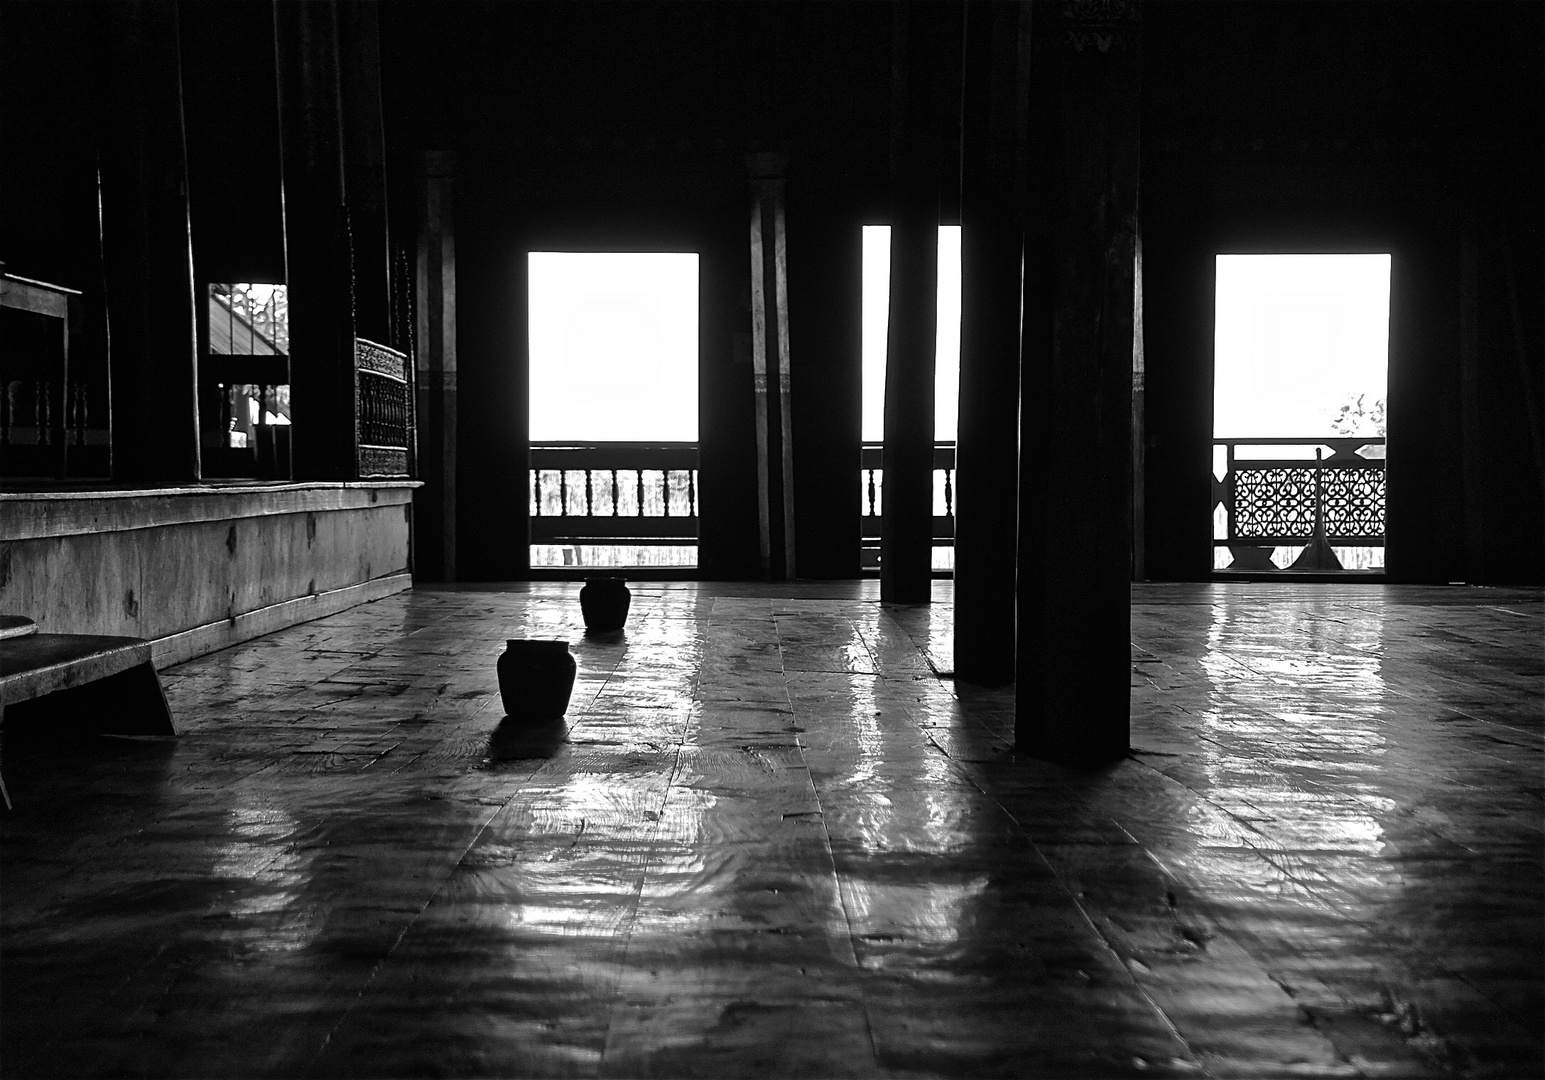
<point>97,684</point>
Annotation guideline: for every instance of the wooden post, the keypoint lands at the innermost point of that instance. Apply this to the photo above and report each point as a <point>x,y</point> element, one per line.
<point>318,250</point>
<point>364,154</point>
<point>1471,421</point>
<point>906,542</point>
<point>825,320</point>
<point>770,368</point>
<point>987,447</point>
<point>434,553</point>
<point>147,247</point>
<point>1139,420</point>
<point>1075,541</point>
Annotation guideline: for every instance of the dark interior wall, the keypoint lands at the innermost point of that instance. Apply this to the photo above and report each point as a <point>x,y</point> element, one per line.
<point>48,228</point>
<point>230,107</point>
<point>48,169</point>
<point>1367,127</point>
<point>1267,126</point>
<point>626,127</point>
<point>501,217</point>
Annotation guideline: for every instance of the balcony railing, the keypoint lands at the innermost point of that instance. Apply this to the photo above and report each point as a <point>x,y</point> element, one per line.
<point>1325,496</point>
<point>609,504</point>
<point>53,421</point>
<point>872,475</point>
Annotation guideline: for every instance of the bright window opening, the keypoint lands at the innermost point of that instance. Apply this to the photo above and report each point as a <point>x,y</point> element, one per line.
<point>613,346</point>
<point>1301,352</point>
<point>613,408</point>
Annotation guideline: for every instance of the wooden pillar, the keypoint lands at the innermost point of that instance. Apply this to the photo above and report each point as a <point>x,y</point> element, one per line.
<point>1139,420</point>
<point>906,541</point>
<point>1075,538</point>
<point>434,551</point>
<point>318,253</point>
<point>987,447</point>
<point>1470,415</point>
<point>770,368</point>
<point>147,246</point>
<point>826,247</point>
<point>364,154</point>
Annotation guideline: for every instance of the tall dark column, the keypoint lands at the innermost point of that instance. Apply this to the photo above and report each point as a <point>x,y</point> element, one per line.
<point>826,247</point>
<point>435,541</point>
<point>318,256</point>
<point>364,174</point>
<point>147,250</point>
<point>770,368</point>
<point>906,542</point>
<point>1075,522</point>
<point>987,447</point>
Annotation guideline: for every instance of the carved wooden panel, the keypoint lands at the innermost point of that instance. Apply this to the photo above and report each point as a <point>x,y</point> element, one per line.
<point>383,420</point>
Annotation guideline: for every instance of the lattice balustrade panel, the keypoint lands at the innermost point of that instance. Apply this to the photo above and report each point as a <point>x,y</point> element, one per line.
<point>383,411</point>
<point>1280,502</point>
<point>1354,502</point>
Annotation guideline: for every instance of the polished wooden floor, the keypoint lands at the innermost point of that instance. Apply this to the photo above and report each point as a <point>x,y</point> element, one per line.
<point>774,839</point>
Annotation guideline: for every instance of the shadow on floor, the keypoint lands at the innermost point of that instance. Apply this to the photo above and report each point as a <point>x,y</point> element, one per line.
<point>524,740</point>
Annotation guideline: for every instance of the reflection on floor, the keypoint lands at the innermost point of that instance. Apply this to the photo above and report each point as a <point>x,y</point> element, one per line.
<point>773,840</point>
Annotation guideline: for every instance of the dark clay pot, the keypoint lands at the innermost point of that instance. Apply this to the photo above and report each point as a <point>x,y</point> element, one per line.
<point>535,679</point>
<point>604,602</point>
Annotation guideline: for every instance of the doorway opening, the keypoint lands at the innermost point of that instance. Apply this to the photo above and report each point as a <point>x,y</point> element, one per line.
<point>876,326</point>
<point>244,380</point>
<point>613,409</point>
<point>1301,356</point>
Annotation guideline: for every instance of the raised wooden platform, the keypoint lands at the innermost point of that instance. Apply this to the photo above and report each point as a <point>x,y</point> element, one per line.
<point>199,567</point>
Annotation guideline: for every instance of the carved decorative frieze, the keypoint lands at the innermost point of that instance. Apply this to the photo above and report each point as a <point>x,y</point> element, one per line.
<point>1090,26</point>
<point>368,356</point>
<point>382,461</point>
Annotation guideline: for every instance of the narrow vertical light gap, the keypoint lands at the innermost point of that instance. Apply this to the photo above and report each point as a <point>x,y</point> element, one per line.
<point>876,315</point>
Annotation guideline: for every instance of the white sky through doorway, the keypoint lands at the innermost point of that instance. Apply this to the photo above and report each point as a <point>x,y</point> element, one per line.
<point>1296,337</point>
<point>614,343</point>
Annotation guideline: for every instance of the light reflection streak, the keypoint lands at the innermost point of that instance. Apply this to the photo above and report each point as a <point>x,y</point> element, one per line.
<point>866,714</point>
<point>265,854</point>
<point>885,725</point>
<point>1303,775</point>
<point>929,914</point>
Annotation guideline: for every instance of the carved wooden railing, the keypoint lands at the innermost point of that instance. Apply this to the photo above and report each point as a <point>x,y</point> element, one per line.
<point>1270,498</point>
<point>53,423</point>
<point>872,493</point>
<point>613,493</point>
<point>383,422</point>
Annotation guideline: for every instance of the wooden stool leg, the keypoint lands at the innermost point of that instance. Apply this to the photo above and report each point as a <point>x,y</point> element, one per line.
<point>5,796</point>
<point>128,703</point>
